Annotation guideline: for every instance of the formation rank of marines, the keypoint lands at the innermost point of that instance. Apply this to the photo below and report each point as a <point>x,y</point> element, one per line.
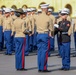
<point>25,30</point>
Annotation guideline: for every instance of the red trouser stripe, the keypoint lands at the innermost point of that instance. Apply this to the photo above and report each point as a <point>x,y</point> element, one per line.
<point>45,64</point>
<point>48,44</point>
<point>46,59</point>
<point>23,56</point>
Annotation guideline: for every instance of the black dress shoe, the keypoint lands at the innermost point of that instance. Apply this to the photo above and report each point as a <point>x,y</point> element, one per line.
<point>9,54</point>
<point>39,70</point>
<point>22,69</point>
<point>45,71</point>
<point>74,55</point>
<point>49,55</point>
<point>26,55</point>
<point>1,50</point>
<point>66,69</point>
<point>61,69</point>
<point>5,53</point>
<point>57,55</point>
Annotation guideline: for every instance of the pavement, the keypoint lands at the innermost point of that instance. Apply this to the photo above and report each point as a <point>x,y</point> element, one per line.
<point>7,64</point>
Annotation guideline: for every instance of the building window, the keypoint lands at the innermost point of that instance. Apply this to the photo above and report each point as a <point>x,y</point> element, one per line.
<point>69,7</point>
<point>3,6</point>
<point>25,6</point>
<point>14,7</point>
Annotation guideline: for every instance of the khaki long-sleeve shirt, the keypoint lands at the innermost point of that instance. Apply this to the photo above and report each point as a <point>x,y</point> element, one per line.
<point>1,20</point>
<point>43,23</point>
<point>7,24</point>
<point>53,22</point>
<point>53,19</point>
<point>19,27</point>
<point>71,27</point>
<point>32,23</point>
<point>74,26</point>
